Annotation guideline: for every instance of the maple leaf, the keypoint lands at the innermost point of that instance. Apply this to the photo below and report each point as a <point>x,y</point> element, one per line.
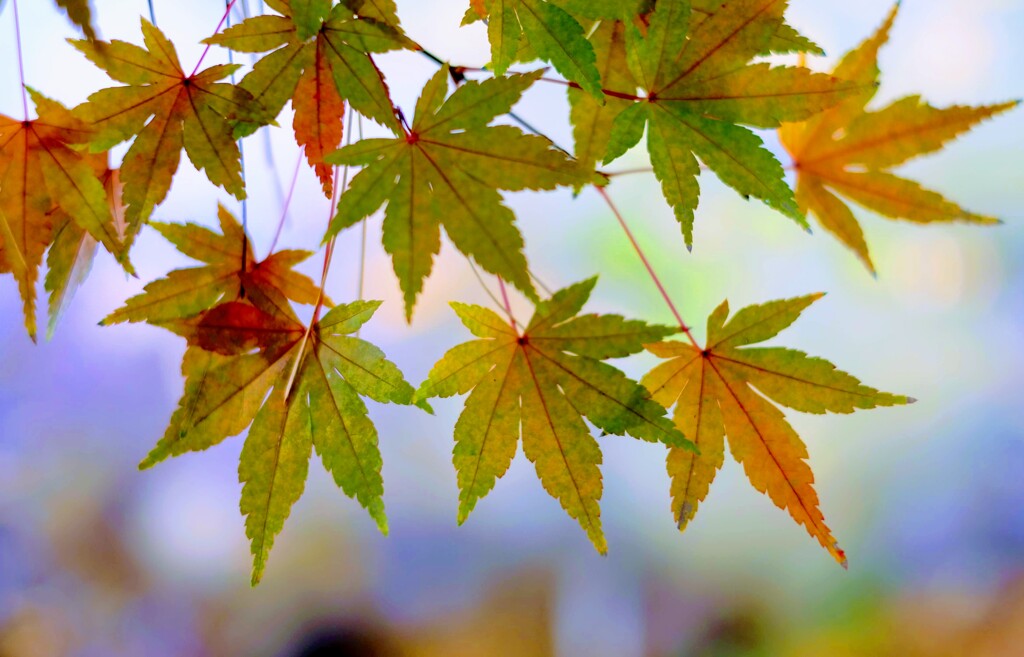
<point>301,391</point>
<point>550,33</point>
<point>71,254</point>
<point>700,87</point>
<point>542,383</point>
<point>591,119</point>
<point>79,12</point>
<point>41,173</point>
<point>320,58</point>
<point>447,170</point>
<point>848,150</point>
<point>786,38</point>
<point>165,109</point>
<point>231,272</point>
<point>713,391</point>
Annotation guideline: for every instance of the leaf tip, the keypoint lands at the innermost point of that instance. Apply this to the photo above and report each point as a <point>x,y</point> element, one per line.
<point>840,555</point>
<point>685,513</point>
<point>910,400</point>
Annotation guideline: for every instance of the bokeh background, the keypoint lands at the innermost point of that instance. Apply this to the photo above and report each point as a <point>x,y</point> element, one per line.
<point>97,558</point>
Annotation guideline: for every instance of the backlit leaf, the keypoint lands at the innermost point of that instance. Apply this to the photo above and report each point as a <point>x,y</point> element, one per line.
<point>701,89</point>
<point>726,389</point>
<point>165,109</point>
<point>301,391</point>
<point>847,150</point>
<point>446,171</point>
<point>320,58</point>
<point>541,383</point>
<point>44,182</point>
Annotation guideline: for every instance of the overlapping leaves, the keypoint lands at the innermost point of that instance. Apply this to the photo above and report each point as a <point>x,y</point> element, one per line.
<point>301,391</point>
<point>545,31</point>
<point>446,169</point>
<point>164,109</point>
<point>320,57</point>
<point>541,383</point>
<point>230,272</point>
<point>45,183</point>
<point>847,151</point>
<point>251,361</point>
<point>701,89</point>
<point>725,388</point>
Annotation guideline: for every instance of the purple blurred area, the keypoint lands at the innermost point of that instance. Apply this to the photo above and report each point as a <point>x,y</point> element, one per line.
<point>99,559</point>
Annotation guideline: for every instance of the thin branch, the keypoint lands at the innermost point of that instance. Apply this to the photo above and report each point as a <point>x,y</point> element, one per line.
<point>152,13</point>
<point>607,92</point>
<point>487,290</point>
<point>628,172</point>
<point>21,58</point>
<point>508,305</point>
<point>600,190</point>
<point>287,204</point>
<point>362,240</point>
<point>647,264</point>
<point>328,254</point>
<point>241,148</point>
<point>223,19</point>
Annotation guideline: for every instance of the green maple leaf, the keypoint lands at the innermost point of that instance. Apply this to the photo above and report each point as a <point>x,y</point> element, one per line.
<point>302,390</point>
<point>591,119</point>
<point>164,109</point>
<point>541,383</point>
<point>230,272</point>
<point>319,57</point>
<point>848,150</point>
<point>701,89</point>
<point>786,38</point>
<point>447,170</point>
<point>548,32</point>
<point>713,391</point>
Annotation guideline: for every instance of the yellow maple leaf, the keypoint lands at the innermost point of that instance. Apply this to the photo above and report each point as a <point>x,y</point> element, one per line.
<point>848,150</point>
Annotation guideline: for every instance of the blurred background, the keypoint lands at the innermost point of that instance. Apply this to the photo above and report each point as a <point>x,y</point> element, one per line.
<point>97,558</point>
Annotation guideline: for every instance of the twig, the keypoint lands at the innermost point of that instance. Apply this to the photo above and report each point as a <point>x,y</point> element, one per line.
<point>287,204</point>
<point>508,305</point>
<point>647,264</point>
<point>227,11</point>
<point>21,58</point>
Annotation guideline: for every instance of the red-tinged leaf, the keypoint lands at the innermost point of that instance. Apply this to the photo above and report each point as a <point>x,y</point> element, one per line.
<point>42,174</point>
<point>300,389</point>
<point>318,70</point>
<point>165,110</point>
<point>230,273</point>
<point>319,116</point>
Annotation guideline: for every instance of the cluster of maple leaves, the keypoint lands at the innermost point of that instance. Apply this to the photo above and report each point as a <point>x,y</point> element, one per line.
<point>688,73</point>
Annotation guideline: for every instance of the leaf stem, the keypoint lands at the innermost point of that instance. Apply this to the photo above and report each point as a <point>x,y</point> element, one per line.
<point>607,92</point>
<point>600,190</point>
<point>647,264</point>
<point>508,305</point>
<point>223,19</point>
<point>364,229</point>
<point>328,255</point>
<point>483,285</point>
<point>152,13</point>
<point>286,205</point>
<point>241,149</point>
<point>21,58</point>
